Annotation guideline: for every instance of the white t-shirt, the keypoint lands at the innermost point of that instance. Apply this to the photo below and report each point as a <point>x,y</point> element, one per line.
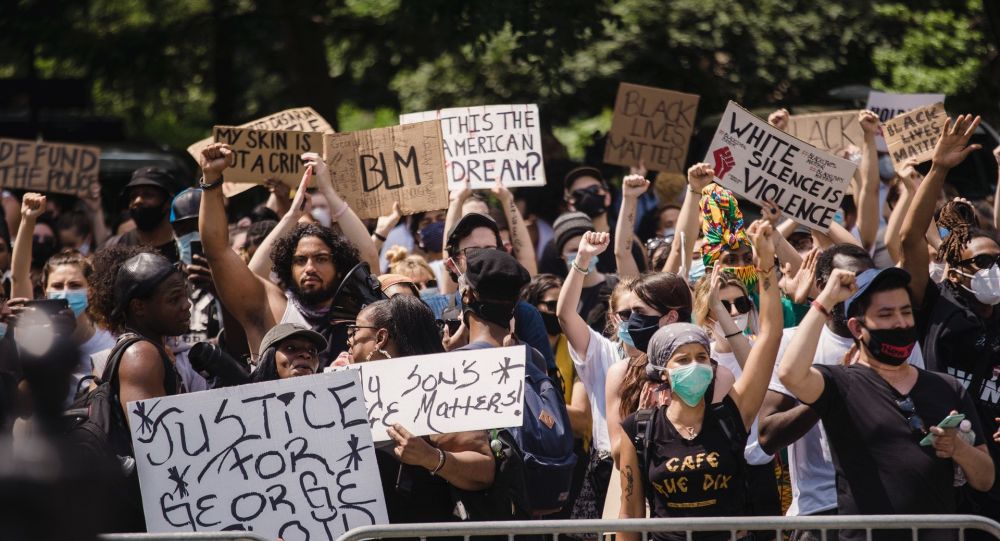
<point>753,454</point>
<point>601,354</point>
<point>101,340</point>
<point>814,486</point>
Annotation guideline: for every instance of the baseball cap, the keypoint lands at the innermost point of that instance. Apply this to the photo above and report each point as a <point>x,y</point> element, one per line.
<point>152,176</point>
<point>870,277</point>
<point>139,275</point>
<point>389,280</point>
<point>284,331</point>
<point>467,224</point>
<point>185,205</point>
<point>585,171</point>
<point>569,225</point>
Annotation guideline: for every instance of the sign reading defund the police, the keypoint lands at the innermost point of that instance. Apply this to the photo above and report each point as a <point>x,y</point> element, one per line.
<point>447,392</point>
<point>489,144</point>
<point>40,166</point>
<point>290,459</point>
<point>760,162</point>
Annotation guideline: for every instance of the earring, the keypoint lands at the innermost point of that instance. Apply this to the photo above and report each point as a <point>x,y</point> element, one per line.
<point>384,353</point>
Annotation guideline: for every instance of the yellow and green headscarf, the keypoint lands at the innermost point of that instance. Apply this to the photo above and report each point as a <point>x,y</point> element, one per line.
<point>722,226</point>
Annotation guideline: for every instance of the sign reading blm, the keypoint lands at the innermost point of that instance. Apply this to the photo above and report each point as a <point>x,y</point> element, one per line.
<point>264,154</point>
<point>489,144</point>
<point>651,126</point>
<point>760,162</point>
<point>373,169</point>
<point>914,134</point>
<point>444,393</point>
<point>39,166</point>
<point>290,459</point>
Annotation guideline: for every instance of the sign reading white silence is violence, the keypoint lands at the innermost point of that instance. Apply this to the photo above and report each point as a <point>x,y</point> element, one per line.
<point>289,459</point>
<point>489,144</point>
<point>758,161</point>
<point>445,393</point>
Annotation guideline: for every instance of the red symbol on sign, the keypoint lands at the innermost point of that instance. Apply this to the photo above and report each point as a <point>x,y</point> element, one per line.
<point>723,161</point>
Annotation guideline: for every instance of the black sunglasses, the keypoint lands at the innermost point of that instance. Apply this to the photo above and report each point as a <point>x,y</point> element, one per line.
<point>910,411</point>
<point>655,243</point>
<point>427,284</point>
<point>742,304</point>
<point>981,261</point>
<point>552,306</point>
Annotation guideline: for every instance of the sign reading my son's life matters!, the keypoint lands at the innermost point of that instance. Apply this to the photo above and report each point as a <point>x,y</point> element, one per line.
<point>760,162</point>
<point>489,144</point>
<point>290,459</point>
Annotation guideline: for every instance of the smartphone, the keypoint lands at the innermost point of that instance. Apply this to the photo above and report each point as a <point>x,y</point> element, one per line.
<point>197,249</point>
<point>452,324</point>
<point>950,421</point>
<point>48,306</point>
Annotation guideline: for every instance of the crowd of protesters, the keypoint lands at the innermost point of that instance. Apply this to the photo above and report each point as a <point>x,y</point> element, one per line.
<point>706,363</point>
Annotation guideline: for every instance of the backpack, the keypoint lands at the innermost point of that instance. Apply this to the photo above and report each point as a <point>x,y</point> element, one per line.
<point>96,427</point>
<point>535,461</point>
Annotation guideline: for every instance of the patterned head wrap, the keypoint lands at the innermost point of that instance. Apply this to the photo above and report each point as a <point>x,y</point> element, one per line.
<point>722,224</point>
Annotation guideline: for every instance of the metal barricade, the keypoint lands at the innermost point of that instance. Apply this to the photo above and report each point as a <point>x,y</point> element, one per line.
<point>867,523</point>
<point>183,536</point>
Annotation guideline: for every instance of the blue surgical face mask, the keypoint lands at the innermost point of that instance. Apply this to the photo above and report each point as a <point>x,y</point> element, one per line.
<point>943,232</point>
<point>3,330</point>
<point>696,271</point>
<point>623,334</point>
<point>839,217</point>
<point>77,299</point>
<point>571,257</point>
<point>184,246</point>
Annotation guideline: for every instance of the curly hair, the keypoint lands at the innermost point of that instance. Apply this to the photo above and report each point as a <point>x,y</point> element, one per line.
<point>962,222</point>
<point>410,323</point>
<point>68,257</point>
<point>101,296</point>
<point>345,255</point>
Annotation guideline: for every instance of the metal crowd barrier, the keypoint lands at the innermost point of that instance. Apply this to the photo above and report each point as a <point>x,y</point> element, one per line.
<point>823,524</point>
<point>184,536</point>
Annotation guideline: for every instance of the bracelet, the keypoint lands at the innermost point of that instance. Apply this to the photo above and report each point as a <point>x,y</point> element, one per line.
<point>441,457</point>
<point>340,213</point>
<point>379,237</point>
<point>580,269</point>
<point>819,306</point>
<point>696,192</point>
<point>734,334</point>
<point>211,186</point>
<point>765,271</point>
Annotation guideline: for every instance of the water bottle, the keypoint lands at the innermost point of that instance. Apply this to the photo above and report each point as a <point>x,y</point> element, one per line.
<point>965,432</point>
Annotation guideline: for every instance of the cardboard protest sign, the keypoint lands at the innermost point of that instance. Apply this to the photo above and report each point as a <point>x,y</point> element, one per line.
<point>489,144</point>
<point>40,166</point>
<point>758,161</point>
<point>291,458</point>
<point>888,105</point>
<point>263,154</point>
<point>374,168</point>
<point>652,126</point>
<point>304,119</point>
<point>447,392</point>
<point>914,134</point>
<point>833,131</point>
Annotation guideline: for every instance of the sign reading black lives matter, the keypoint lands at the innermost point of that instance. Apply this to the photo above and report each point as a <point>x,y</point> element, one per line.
<point>292,459</point>
<point>39,166</point>
<point>264,154</point>
<point>489,143</point>
<point>758,161</point>
<point>444,393</point>
<point>651,127</point>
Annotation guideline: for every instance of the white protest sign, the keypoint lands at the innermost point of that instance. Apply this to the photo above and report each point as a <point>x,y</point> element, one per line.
<point>290,458</point>
<point>444,393</point>
<point>489,143</point>
<point>888,105</point>
<point>758,161</point>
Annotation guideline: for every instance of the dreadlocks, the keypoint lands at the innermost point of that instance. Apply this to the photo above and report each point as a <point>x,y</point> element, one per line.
<point>962,222</point>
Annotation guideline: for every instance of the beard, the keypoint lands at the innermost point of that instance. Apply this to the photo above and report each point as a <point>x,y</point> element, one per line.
<point>313,297</point>
<point>838,321</point>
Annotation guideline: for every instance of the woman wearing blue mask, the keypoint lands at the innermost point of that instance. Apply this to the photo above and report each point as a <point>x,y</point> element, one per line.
<point>692,463</point>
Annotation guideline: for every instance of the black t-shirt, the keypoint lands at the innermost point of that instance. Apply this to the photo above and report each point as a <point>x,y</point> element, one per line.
<point>703,477</point>
<point>881,467</point>
<point>412,494</point>
<point>167,250</point>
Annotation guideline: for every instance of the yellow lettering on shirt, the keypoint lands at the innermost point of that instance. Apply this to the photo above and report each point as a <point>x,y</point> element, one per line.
<point>716,482</point>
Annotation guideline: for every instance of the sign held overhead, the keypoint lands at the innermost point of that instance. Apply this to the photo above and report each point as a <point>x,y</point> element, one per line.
<point>833,131</point>
<point>263,154</point>
<point>652,126</point>
<point>888,105</point>
<point>40,166</point>
<point>914,134</point>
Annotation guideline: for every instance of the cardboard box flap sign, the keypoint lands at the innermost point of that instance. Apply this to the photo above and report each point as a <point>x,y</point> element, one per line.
<point>304,119</point>
<point>833,131</point>
<point>489,144</point>
<point>914,134</point>
<point>652,126</point>
<point>888,105</point>
<point>372,169</point>
<point>758,161</point>
<point>267,154</point>
<point>40,166</point>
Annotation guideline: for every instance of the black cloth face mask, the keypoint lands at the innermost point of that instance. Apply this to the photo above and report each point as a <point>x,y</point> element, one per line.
<point>552,326</point>
<point>589,201</point>
<point>642,328</point>
<point>892,346</point>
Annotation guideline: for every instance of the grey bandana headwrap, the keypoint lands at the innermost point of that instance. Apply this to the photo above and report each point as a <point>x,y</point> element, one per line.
<point>666,341</point>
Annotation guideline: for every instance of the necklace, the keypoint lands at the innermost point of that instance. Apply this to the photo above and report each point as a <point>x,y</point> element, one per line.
<point>691,434</point>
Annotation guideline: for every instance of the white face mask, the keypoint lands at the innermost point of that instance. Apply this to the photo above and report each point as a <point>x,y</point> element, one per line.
<point>985,285</point>
<point>741,321</point>
<point>322,216</point>
<point>936,271</point>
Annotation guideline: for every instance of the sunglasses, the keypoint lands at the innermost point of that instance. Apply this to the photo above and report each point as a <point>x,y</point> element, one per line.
<point>655,243</point>
<point>910,411</point>
<point>742,304</point>
<point>981,261</point>
<point>551,306</point>
<point>427,284</point>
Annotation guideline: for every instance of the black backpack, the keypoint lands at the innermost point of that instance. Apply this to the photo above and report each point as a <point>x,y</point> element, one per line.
<point>95,426</point>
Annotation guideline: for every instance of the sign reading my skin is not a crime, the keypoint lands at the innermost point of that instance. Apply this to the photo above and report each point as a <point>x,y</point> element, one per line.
<point>760,162</point>
<point>259,155</point>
